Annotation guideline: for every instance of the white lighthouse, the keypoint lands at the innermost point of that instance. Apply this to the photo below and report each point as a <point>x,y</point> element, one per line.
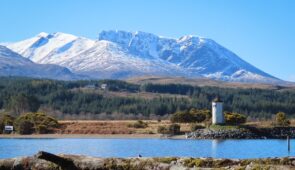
<point>217,111</point>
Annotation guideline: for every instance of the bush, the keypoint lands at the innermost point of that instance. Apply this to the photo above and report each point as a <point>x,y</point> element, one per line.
<point>35,123</point>
<point>41,129</point>
<point>6,120</point>
<point>182,117</point>
<point>234,118</point>
<point>191,116</point>
<point>25,127</point>
<point>139,124</point>
<point>201,115</point>
<point>281,119</point>
<point>174,129</point>
<point>162,130</point>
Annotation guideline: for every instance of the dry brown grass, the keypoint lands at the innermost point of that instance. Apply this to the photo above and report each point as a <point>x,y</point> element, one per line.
<point>267,123</point>
<point>105,127</point>
<point>113,127</point>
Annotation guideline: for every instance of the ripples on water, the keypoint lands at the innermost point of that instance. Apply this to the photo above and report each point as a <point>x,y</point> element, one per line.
<point>148,147</point>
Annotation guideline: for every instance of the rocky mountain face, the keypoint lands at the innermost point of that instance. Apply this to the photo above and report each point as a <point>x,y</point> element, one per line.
<point>121,54</point>
<point>197,56</point>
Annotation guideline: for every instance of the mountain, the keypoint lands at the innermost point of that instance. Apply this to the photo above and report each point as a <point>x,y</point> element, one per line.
<point>13,64</point>
<point>196,55</point>
<point>122,54</point>
<point>97,59</point>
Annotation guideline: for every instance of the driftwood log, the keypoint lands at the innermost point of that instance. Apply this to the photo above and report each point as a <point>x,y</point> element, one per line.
<point>64,163</point>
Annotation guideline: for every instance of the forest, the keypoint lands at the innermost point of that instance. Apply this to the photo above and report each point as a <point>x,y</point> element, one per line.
<point>18,95</point>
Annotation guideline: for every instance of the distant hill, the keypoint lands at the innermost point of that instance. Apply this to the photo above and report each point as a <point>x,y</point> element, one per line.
<point>13,64</point>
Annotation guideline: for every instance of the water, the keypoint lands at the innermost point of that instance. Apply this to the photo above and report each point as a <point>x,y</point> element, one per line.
<point>148,147</point>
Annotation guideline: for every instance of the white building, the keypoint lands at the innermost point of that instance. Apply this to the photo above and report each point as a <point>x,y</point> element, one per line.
<point>103,86</point>
<point>217,111</point>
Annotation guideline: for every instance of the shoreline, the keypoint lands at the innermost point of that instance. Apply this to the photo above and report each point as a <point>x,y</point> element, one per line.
<point>89,136</point>
<point>49,161</point>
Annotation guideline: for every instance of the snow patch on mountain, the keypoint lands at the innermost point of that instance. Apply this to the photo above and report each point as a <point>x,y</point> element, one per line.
<point>46,48</point>
<point>108,60</point>
<point>196,55</point>
<point>120,54</point>
<point>13,64</point>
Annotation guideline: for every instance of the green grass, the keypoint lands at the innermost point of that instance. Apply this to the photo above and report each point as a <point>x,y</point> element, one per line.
<point>224,127</point>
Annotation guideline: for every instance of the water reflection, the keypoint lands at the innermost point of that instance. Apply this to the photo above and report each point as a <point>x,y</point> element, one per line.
<point>215,146</point>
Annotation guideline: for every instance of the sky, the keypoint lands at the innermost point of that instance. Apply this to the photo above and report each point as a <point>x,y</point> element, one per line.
<point>262,32</point>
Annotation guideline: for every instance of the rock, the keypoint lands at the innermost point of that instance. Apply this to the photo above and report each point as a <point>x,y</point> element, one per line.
<point>244,133</point>
<point>6,163</point>
<point>87,163</point>
<point>64,163</point>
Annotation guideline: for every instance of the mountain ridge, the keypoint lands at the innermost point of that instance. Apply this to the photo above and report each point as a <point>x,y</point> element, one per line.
<point>13,64</point>
<point>122,54</point>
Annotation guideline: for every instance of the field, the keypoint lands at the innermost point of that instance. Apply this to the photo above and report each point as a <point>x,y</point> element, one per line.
<point>117,127</point>
<point>113,127</point>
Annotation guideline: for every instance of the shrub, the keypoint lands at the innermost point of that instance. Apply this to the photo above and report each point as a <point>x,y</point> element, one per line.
<point>5,120</point>
<point>234,118</point>
<point>281,119</point>
<point>139,124</point>
<point>25,127</point>
<point>162,130</point>
<point>174,129</point>
<point>182,117</point>
<point>191,116</point>
<point>41,129</point>
<point>35,123</point>
<point>201,115</point>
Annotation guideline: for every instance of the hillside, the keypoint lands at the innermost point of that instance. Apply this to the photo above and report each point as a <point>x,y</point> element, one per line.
<point>123,100</point>
<point>13,64</point>
<point>206,82</point>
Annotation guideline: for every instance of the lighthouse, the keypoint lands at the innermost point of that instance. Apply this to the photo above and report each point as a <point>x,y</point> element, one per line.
<point>217,111</point>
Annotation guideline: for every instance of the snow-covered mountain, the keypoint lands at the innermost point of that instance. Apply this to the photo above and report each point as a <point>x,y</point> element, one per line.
<point>13,64</point>
<point>121,54</point>
<point>97,59</point>
<point>194,54</point>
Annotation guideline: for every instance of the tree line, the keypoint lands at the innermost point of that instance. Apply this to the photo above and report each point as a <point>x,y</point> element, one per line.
<point>19,94</point>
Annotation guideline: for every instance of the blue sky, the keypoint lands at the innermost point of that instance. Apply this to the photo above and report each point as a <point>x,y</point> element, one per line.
<point>261,32</point>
